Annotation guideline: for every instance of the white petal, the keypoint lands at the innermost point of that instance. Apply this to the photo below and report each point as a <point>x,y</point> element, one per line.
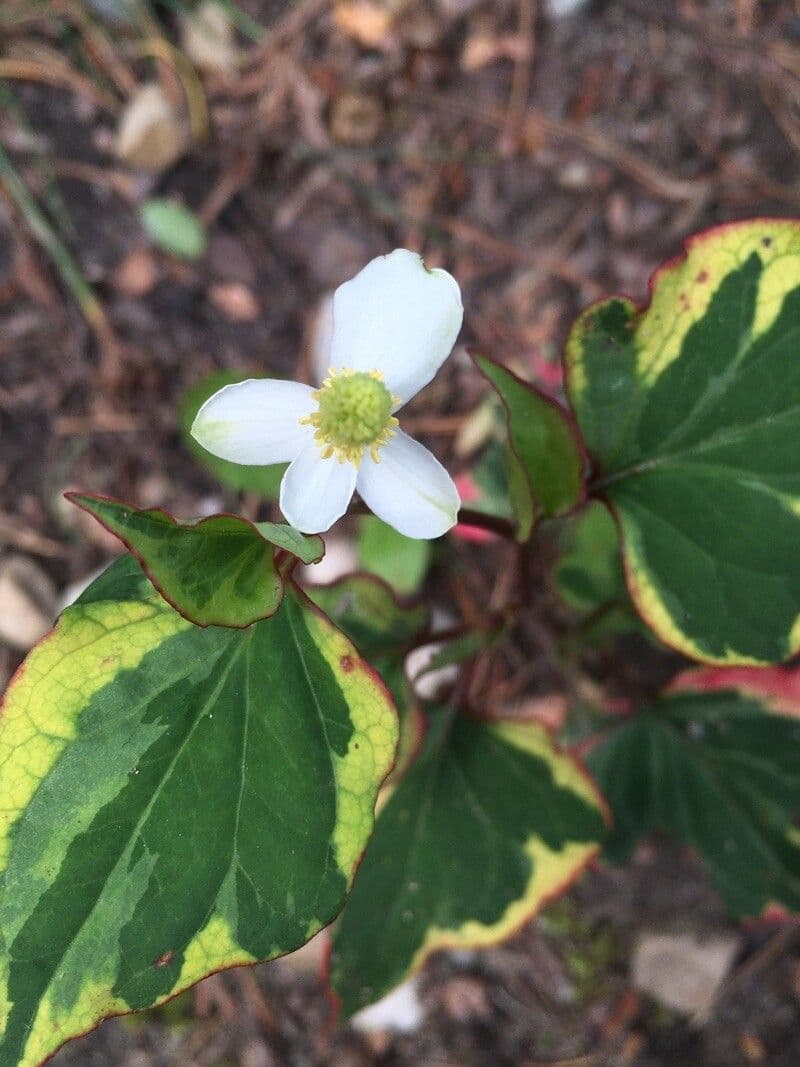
<point>409,489</point>
<point>398,317</point>
<point>321,338</point>
<point>315,492</point>
<point>257,421</point>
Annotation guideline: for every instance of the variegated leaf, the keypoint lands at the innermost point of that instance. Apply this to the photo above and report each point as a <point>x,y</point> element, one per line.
<point>487,825</point>
<point>175,800</point>
<point>691,411</point>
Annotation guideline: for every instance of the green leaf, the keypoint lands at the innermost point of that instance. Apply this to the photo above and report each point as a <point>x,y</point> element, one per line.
<point>691,410</point>
<point>544,462</point>
<point>487,825</point>
<point>308,548</point>
<point>589,575</point>
<point>123,579</point>
<point>366,609</point>
<point>176,800</point>
<point>401,561</point>
<point>383,630</point>
<point>721,772</point>
<point>266,481</point>
<point>490,477</point>
<point>220,571</point>
<point>174,228</point>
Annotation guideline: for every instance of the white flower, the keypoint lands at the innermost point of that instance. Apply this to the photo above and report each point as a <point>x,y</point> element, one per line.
<point>394,324</point>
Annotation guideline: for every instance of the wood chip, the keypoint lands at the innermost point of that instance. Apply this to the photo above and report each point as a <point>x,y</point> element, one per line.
<point>236,301</point>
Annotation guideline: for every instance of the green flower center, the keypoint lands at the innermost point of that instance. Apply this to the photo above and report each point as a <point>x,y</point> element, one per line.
<point>354,413</point>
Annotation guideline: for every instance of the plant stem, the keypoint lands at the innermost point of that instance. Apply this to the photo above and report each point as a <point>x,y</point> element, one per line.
<point>453,633</point>
<point>483,521</point>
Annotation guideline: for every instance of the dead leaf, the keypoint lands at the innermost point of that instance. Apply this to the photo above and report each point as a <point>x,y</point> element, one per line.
<point>150,135</point>
<point>136,274</point>
<point>236,301</point>
<point>482,49</point>
<point>356,118</point>
<point>366,22</point>
<point>209,40</point>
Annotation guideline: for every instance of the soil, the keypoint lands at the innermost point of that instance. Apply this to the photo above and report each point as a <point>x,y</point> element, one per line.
<point>546,162</point>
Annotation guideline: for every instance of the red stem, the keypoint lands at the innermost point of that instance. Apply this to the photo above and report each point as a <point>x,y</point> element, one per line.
<point>493,523</point>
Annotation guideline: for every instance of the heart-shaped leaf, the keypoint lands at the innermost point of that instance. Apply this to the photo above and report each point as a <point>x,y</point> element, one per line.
<point>718,769</point>
<point>545,464</point>
<point>219,571</point>
<point>176,800</point>
<point>691,410</point>
<point>487,825</point>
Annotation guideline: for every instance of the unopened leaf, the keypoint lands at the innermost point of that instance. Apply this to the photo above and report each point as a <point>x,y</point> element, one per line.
<point>176,800</point>
<point>487,825</point>
<point>219,571</point>
<point>691,411</point>
<point>266,480</point>
<point>174,228</point>
<point>545,464</point>
<point>720,771</point>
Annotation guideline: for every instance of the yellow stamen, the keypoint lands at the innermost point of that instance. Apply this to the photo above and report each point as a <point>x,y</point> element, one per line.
<point>354,412</point>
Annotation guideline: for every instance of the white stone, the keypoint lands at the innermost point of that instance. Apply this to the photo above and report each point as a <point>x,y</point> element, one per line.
<point>559,9</point>
<point>27,602</point>
<point>682,973</point>
<point>340,558</point>
<point>400,1011</point>
<point>307,961</point>
<point>427,685</point>
<point>74,589</point>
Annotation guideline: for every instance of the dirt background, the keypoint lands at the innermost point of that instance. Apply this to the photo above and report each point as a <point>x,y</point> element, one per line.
<point>545,161</point>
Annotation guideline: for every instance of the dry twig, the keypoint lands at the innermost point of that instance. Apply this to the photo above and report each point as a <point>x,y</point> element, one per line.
<point>658,181</point>
<point>521,83</point>
<point>13,533</point>
<point>61,75</point>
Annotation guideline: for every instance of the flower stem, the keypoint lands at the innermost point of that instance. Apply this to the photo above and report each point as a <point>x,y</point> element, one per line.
<point>493,523</point>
